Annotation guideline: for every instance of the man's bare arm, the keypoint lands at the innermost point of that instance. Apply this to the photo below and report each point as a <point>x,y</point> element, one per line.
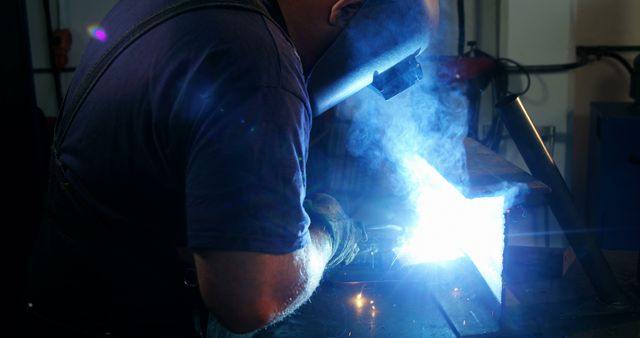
<point>247,291</point>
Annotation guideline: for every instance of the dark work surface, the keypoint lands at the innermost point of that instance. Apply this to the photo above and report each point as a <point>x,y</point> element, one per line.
<point>437,300</point>
<point>534,306</point>
<point>401,310</point>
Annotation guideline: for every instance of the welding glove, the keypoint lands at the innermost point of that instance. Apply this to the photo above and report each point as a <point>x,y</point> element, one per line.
<point>326,213</point>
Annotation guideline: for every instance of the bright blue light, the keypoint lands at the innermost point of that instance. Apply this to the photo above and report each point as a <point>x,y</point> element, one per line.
<point>450,225</point>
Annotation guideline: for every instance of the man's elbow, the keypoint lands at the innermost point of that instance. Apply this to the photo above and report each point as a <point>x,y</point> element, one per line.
<point>247,291</point>
<point>244,317</point>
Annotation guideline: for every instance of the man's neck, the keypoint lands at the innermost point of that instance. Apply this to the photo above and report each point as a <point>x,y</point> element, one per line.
<point>307,23</point>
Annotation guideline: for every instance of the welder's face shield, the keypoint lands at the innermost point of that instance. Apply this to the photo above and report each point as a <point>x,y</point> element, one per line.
<point>379,46</point>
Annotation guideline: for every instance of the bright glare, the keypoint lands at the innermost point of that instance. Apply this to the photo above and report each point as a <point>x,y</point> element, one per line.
<point>363,304</point>
<point>97,32</point>
<point>359,301</point>
<point>450,225</point>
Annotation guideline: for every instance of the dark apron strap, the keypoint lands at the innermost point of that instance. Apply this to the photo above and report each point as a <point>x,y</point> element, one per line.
<point>70,109</point>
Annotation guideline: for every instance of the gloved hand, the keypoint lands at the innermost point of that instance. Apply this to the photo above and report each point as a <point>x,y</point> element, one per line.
<point>326,213</point>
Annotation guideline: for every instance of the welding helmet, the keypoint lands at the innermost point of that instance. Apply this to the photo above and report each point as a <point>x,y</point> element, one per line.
<point>378,46</point>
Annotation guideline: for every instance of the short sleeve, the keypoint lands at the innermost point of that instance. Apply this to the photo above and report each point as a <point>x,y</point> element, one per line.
<point>232,119</point>
<point>245,177</point>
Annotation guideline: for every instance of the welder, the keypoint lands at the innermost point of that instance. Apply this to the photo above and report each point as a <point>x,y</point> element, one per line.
<point>181,148</point>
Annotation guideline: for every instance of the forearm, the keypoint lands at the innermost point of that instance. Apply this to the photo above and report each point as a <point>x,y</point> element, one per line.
<point>310,264</point>
<point>246,291</point>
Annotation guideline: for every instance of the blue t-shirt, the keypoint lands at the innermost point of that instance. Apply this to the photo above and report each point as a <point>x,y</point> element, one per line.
<point>197,134</point>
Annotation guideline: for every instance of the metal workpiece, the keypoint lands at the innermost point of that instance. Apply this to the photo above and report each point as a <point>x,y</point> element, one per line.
<point>582,239</point>
<point>466,300</point>
<point>461,288</point>
<point>443,298</point>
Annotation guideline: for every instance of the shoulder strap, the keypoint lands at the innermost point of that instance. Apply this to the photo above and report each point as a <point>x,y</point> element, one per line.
<point>70,110</point>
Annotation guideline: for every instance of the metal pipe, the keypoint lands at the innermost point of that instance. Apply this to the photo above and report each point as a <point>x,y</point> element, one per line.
<point>582,240</point>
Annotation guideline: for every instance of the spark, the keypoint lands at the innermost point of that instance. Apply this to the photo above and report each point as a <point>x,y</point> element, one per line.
<point>456,293</point>
<point>359,300</point>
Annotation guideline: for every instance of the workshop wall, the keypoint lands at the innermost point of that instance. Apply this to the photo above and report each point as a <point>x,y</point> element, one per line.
<point>529,32</point>
<point>600,22</point>
<point>75,15</point>
<point>542,32</point>
<point>547,32</point>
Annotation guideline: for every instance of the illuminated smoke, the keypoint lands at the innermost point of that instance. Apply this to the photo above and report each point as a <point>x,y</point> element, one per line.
<point>421,132</point>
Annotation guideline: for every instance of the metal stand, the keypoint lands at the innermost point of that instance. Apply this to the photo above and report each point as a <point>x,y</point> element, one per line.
<point>582,240</point>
